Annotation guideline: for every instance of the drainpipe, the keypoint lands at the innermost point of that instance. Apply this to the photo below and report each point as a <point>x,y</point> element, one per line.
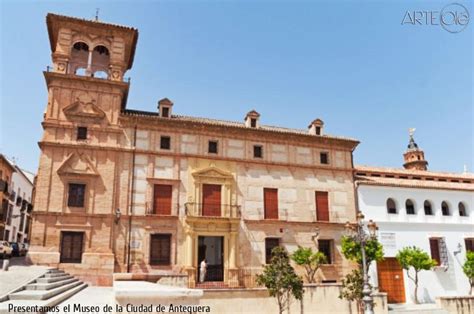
<point>130,212</point>
<point>356,197</point>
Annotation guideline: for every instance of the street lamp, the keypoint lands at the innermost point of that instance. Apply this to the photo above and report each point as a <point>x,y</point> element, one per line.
<point>118,214</point>
<point>360,235</point>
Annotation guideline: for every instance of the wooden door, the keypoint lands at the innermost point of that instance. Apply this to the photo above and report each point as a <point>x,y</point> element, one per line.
<point>71,247</point>
<point>162,199</point>
<point>211,200</point>
<point>322,206</point>
<point>390,276</point>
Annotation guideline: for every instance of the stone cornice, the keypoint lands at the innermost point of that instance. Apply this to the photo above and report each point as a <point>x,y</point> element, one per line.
<point>238,132</point>
<point>44,144</point>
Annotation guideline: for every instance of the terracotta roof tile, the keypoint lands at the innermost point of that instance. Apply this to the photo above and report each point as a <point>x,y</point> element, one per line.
<point>235,124</point>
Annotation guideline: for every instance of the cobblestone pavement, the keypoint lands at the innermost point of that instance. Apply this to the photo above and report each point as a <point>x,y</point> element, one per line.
<point>19,274</point>
<point>91,296</point>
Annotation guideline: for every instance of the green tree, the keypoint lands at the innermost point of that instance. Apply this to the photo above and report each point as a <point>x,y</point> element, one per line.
<point>311,261</point>
<point>352,250</point>
<point>468,269</point>
<point>416,258</point>
<point>280,279</point>
<point>352,283</point>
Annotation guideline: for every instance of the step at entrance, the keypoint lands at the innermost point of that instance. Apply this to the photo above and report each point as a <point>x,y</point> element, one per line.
<point>49,290</point>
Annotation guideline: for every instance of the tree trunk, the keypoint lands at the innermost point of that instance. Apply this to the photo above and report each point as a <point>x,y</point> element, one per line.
<point>471,292</point>
<point>416,288</point>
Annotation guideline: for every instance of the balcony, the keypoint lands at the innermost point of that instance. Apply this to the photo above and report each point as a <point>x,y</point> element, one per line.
<point>24,205</point>
<point>19,200</point>
<point>162,210</point>
<point>212,210</point>
<point>12,196</point>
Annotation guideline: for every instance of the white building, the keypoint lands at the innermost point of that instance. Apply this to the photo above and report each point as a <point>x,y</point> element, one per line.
<point>20,206</point>
<point>416,207</point>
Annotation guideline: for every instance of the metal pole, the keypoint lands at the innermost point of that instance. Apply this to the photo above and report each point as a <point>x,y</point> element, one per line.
<point>130,213</point>
<point>366,291</point>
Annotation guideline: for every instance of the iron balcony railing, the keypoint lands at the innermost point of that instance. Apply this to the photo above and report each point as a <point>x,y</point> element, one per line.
<point>12,196</point>
<point>162,209</point>
<point>212,210</point>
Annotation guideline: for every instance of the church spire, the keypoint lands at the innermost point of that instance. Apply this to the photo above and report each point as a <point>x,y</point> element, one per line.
<point>414,157</point>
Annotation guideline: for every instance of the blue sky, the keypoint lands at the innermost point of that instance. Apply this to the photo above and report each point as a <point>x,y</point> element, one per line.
<point>352,64</point>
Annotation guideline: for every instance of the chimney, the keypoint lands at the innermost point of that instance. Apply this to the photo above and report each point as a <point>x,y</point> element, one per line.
<point>164,108</point>
<point>252,119</point>
<point>316,127</point>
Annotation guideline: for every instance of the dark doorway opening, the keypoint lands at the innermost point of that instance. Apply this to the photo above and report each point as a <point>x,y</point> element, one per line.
<point>211,249</point>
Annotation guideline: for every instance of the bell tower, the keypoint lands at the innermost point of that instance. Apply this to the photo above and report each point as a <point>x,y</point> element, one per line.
<point>90,48</point>
<point>414,157</point>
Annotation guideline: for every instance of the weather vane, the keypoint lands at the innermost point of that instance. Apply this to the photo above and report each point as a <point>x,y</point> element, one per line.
<point>97,14</point>
<point>411,131</point>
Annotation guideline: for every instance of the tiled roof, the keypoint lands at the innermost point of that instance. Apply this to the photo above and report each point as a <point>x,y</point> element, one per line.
<point>76,19</point>
<point>235,124</point>
<point>413,178</point>
<point>422,173</point>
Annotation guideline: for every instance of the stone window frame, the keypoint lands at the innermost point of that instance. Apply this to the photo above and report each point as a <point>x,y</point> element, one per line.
<point>87,181</point>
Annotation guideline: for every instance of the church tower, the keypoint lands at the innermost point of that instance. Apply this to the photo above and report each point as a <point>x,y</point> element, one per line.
<point>414,157</point>
<point>82,180</point>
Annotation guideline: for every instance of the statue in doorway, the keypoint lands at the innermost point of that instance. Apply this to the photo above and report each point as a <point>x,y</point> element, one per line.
<point>203,270</point>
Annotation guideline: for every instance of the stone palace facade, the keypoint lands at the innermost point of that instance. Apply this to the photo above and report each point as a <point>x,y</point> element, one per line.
<point>122,190</point>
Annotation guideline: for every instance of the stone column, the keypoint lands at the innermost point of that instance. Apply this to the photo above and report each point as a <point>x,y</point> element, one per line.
<point>190,270</point>
<point>233,280</point>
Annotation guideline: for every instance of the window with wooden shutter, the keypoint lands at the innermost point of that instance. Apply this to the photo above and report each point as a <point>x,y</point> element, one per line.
<point>270,244</point>
<point>160,249</point>
<point>162,199</point>
<point>469,245</point>
<point>434,247</point>
<point>270,203</point>
<point>76,195</point>
<point>71,247</point>
<point>322,206</point>
<point>211,200</point>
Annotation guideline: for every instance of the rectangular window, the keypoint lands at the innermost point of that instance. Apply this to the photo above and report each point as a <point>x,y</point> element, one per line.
<point>257,151</point>
<point>166,112</point>
<point>71,247</point>
<point>434,248</point>
<point>322,206</point>
<point>162,199</point>
<point>165,142</point>
<point>270,203</point>
<point>469,245</point>
<point>318,130</point>
<point>324,158</point>
<point>270,244</point>
<point>82,133</point>
<point>325,247</point>
<point>212,148</point>
<point>160,249</point>
<point>76,195</point>
<point>253,123</point>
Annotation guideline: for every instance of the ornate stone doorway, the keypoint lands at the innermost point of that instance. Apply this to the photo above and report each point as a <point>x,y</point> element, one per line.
<point>211,248</point>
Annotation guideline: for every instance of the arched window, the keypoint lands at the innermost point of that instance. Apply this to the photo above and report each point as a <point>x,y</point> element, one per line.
<point>462,209</point>
<point>410,207</point>
<point>428,208</point>
<point>100,61</point>
<point>391,206</point>
<point>445,209</point>
<point>79,58</point>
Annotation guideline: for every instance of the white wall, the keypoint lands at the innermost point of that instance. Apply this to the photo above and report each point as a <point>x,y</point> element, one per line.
<point>409,230</point>
<point>19,184</point>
